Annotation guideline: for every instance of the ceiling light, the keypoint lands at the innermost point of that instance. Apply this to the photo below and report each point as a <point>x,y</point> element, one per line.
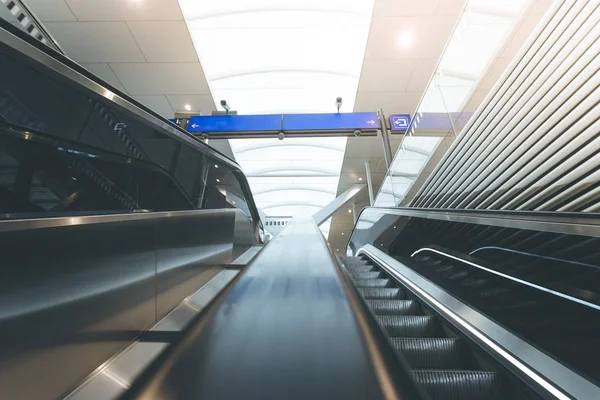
<point>349,210</point>
<point>188,107</point>
<point>220,181</point>
<point>232,202</point>
<point>342,233</point>
<point>216,166</point>
<point>337,249</point>
<point>405,38</point>
<point>359,179</point>
<point>394,227</point>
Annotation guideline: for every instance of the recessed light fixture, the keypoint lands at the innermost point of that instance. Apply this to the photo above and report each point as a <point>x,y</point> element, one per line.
<point>349,210</point>
<point>337,249</point>
<point>232,202</point>
<point>360,179</point>
<point>220,181</point>
<point>342,233</point>
<point>394,226</point>
<point>188,107</point>
<point>405,38</point>
<point>216,166</point>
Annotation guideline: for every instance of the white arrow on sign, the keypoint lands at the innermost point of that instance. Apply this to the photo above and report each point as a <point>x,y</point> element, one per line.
<point>370,122</point>
<point>195,125</point>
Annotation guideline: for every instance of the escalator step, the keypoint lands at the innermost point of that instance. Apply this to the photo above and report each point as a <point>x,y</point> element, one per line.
<point>381,293</point>
<point>463,385</point>
<point>366,275</point>
<point>361,268</point>
<point>371,283</point>
<point>409,325</point>
<point>353,261</point>
<point>398,307</point>
<point>432,353</point>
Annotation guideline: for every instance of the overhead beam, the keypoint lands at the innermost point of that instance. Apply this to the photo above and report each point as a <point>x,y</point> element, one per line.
<point>324,213</point>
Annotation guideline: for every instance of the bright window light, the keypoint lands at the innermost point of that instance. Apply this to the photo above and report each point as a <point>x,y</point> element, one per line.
<point>293,56</point>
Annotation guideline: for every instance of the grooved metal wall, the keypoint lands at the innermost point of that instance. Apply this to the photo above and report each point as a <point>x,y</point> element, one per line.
<point>534,143</point>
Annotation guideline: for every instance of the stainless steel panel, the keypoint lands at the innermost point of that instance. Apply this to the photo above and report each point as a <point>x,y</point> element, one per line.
<point>70,297</point>
<point>558,380</point>
<point>244,235</point>
<point>190,251</point>
<point>245,258</point>
<point>111,380</point>
<point>75,291</point>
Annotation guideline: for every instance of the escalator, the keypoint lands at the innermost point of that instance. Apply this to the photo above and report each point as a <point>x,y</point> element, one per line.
<point>512,301</point>
<point>445,365</point>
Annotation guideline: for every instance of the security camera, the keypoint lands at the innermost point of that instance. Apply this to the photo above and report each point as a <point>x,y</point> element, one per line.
<point>281,136</point>
<point>204,137</point>
<point>225,105</point>
<point>357,132</point>
<point>338,103</point>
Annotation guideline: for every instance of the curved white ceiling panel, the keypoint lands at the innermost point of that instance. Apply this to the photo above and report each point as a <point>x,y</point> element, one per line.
<point>283,56</point>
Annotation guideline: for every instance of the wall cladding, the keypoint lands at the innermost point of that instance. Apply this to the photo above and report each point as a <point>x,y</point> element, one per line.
<point>533,143</point>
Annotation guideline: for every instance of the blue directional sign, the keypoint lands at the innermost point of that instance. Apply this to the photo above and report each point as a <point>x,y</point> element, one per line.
<point>173,120</point>
<point>235,123</point>
<point>399,122</point>
<point>330,122</point>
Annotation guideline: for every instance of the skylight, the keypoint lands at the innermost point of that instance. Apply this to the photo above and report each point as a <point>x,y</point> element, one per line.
<point>283,56</point>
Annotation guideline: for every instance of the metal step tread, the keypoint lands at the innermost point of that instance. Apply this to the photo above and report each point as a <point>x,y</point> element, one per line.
<point>463,385</point>
<point>432,353</point>
<point>366,274</point>
<point>381,293</point>
<point>409,325</point>
<point>395,307</point>
<point>372,283</point>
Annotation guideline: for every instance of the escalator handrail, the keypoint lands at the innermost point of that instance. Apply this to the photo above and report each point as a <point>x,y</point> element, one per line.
<point>524,253</point>
<point>570,223</point>
<point>509,277</point>
<point>551,377</point>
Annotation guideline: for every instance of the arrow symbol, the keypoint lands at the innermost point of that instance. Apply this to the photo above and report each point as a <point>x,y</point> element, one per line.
<point>370,122</point>
<point>195,125</point>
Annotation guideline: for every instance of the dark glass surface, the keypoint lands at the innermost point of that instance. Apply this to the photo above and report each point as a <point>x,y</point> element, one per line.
<point>563,263</point>
<point>155,171</point>
<point>39,175</point>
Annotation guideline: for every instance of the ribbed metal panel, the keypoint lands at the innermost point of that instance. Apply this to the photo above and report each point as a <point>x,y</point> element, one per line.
<point>534,142</point>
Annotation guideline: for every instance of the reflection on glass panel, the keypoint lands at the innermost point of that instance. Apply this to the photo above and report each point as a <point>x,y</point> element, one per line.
<point>447,104</point>
<point>39,176</point>
<point>222,190</point>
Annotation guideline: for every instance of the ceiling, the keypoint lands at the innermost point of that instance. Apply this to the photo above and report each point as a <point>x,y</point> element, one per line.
<point>142,47</point>
<point>145,48</point>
